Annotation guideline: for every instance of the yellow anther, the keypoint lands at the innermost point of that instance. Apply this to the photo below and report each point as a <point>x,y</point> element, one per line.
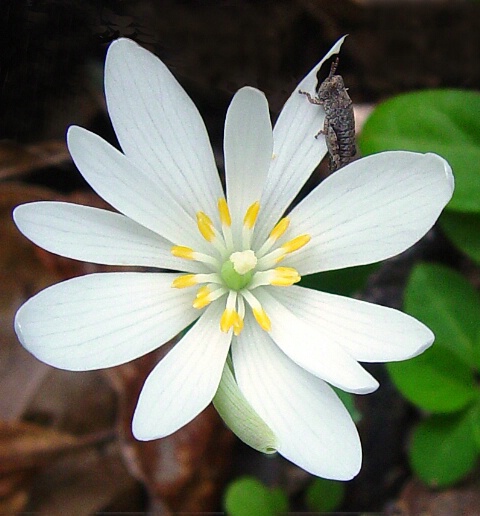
<point>262,318</point>
<point>224,212</point>
<point>181,251</point>
<point>285,277</point>
<point>280,228</point>
<point>238,324</point>
<point>187,280</point>
<point>203,297</point>
<point>228,319</point>
<point>205,226</point>
<point>296,243</point>
<point>251,215</point>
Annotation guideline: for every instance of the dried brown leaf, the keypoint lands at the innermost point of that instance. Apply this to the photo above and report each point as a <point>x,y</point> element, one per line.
<point>17,159</point>
<point>416,498</point>
<point>26,445</point>
<point>184,471</point>
<point>85,483</point>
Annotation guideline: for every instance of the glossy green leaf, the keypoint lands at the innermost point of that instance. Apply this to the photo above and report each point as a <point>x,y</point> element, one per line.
<point>446,122</point>
<point>463,229</point>
<point>247,495</point>
<point>324,495</point>
<point>343,281</point>
<point>445,301</point>
<point>475,415</point>
<point>435,380</point>
<point>443,449</point>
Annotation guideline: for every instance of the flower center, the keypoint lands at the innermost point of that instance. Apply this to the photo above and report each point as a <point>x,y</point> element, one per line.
<point>234,270</point>
<point>237,271</point>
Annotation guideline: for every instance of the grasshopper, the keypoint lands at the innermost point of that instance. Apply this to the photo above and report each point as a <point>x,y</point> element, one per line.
<point>339,125</point>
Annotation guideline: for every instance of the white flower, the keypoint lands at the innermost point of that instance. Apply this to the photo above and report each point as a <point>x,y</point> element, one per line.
<point>285,342</point>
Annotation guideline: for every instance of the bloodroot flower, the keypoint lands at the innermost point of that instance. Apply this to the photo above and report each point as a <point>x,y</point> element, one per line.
<point>227,264</point>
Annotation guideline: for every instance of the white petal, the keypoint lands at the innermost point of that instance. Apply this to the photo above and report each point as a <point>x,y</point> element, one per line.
<point>94,235</point>
<point>296,150</point>
<point>185,381</point>
<point>130,190</point>
<point>102,320</point>
<point>368,332</point>
<point>248,148</point>
<point>158,126</point>
<point>313,427</point>
<point>370,210</point>
<point>312,350</point>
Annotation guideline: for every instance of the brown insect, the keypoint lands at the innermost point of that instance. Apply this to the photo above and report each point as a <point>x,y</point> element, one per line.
<point>339,125</point>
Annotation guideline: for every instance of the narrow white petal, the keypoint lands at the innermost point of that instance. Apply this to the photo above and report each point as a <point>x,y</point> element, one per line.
<point>368,332</point>
<point>312,350</point>
<point>158,126</point>
<point>248,148</point>
<point>370,210</point>
<point>185,381</point>
<point>102,320</point>
<point>95,235</point>
<point>313,428</point>
<point>296,150</point>
<point>135,193</point>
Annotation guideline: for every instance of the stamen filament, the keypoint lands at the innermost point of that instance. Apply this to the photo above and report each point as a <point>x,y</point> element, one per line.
<point>279,229</point>
<point>278,277</point>
<point>205,226</point>
<point>251,215</point>
<point>296,243</point>
<point>226,221</point>
<point>258,312</point>
<point>262,319</point>
<point>207,294</point>
<point>284,277</point>
<point>180,251</point>
<point>224,212</point>
<point>275,234</point>
<point>185,281</point>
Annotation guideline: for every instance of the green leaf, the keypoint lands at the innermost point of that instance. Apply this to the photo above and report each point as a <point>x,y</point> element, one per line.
<point>442,379</point>
<point>343,281</point>
<point>475,415</point>
<point>463,230</point>
<point>443,300</point>
<point>435,380</point>
<point>442,121</point>
<point>324,495</point>
<point>247,495</point>
<point>443,449</point>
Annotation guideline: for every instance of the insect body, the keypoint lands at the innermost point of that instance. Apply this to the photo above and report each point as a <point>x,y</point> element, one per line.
<point>339,125</point>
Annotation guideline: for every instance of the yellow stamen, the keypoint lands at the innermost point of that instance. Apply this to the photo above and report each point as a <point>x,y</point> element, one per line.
<point>228,319</point>
<point>224,213</point>
<point>251,215</point>
<point>205,226</point>
<point>296,243</point>
<point>181,251</point>
<point>238,324</point>
<point>262,318</point>
<point>187,280</point>
<point>285,277</point>
<point>203,297</point>
<point>280,228</point>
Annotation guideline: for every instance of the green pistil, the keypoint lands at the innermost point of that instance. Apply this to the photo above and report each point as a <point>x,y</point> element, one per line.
<point>232,279</point>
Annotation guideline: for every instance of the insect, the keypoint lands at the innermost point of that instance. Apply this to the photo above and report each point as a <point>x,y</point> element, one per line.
<point>339,125</point>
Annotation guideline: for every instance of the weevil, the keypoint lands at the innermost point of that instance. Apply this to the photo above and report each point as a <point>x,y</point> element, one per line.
<point>339,124</point>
